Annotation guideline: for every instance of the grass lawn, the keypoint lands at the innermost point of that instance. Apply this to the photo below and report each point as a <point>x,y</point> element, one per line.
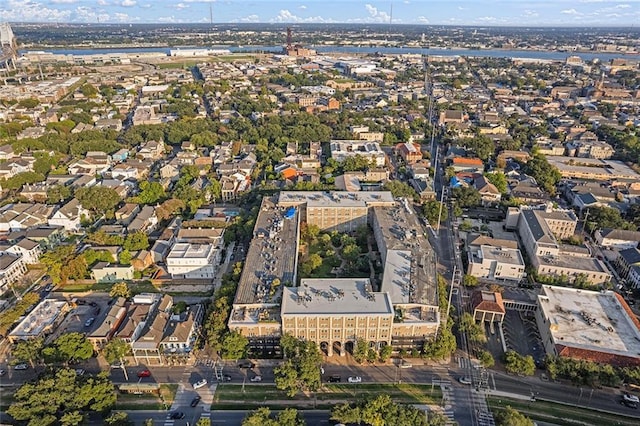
<point>231,58</point>
<point>232,396</point>
<point>148,401</point>
<point>137,287</point>
<point>560,414</point>
<point>177,64</point>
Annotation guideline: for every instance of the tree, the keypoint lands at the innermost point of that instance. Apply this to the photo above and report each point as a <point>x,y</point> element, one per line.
<point>313,262</point>
<point>486,359</point>
<point>546,175</point>
<point>115,350</point>
<point>98,199</point>
<point>120,289</point>
<point>400,189</point>
<point>380,411</point>
<point>234,346</point>
<point>475,332</point>
<point>385,352</point>
<point>57,194</point>
<point>499,180</point>
<point>301,371</point>
<point>54,395</point>
<point>73,347</point>
<point>170,207</point>
<point>118,418</point>
<point>125,257</point>
<point>511,417</point>
<point>481,145</point>
<point>515,363</point>
<point>360,351</point>
<point>203,421</point>
<point>467,197</point>
<point>469,280</point>
<point>71,418</point>
<point>607,217</point>
<point>150,193</point>
<point>88,90</point>
<point>28,350</point>
<point>433,210</point>
<point>136,241</point>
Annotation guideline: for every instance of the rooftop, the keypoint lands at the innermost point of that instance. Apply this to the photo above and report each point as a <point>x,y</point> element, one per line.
<point>409,269</point>
<point>191,251</point>
<point>272,254</point>
<point>587,264</point>
<point>502,254</point>
<point>331,296</point>
<point>336,198</point>
<point>43,316</point>
<point>591,320</point>
<point>592,167</point>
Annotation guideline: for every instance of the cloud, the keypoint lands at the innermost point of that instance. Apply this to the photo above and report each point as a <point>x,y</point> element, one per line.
<point>250,18</point>
<point>128,3</point>
<point>530,13</point>
<point>376,15</point>
<point>32,11</point>
<point>64,1</point>
<point>570,12</point>
<point>302,6</point>
<point>102,3</point>
<point>181,6</point>
<point>422,20</point>
<point>286,16</point>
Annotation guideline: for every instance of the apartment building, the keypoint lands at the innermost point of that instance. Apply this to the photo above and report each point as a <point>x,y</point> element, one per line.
<point>193,261</point>
<point>494,259</point>
<point>343,149</point>
<point>335,313</point>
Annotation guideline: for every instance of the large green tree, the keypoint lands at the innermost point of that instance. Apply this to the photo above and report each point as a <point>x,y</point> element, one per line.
<point>263,417</point>
<point>381,411</point>
<point>234,346</point>
<point>71,347</point>
<point>544,173</point>
<point>301,370</point>
<point>515,363</point>
<point>98,199</point>
<point>54,395</point>
<point>29,350</point>
<point>433,210</point>
<point>512,417</point>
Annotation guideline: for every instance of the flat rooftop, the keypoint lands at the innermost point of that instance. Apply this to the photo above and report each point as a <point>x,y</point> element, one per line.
<point>592,167</point>
<point>590,320</point>
<point>502,254</point>
<point>410,262</point>
<point>334,296</point>
<point>589,264</point>
<point>191,251</point>
<point>272,254</point>
<point>336,198</point>
<point>44,315</point>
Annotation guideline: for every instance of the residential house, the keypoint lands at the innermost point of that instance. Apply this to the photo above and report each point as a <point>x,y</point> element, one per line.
<point>141,260</point>
<point>30,250</point>
<point>145,221</point>
<point>410,152</point>
<point>90,166</point>
<point>20,216</point>
<point>127,213</point>
<point>466,164</point>
<point>104,272</point>
<point>12,268</point>
<point>152,150</point>
<point>120,156</point>
<point>618,239</point>
<point>452,117</point>
<point>234,185</point>
<point>488,191</point>
<point>189,261</point>
<point>627,264</point>
<point>69,216</point>
<point>6,152</point>
<point>109,326</point>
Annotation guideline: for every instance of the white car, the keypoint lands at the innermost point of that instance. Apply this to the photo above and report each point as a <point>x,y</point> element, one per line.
<point>201,383</point>
<point>355,379</point>
<point>80,371</point>
<point>465,380</point>
<point>405,364</point>
<point>256,379</point>
<point>21,367</point>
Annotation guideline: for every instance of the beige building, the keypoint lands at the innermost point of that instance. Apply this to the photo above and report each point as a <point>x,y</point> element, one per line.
<point>336,312</point>
<point>495,259</point>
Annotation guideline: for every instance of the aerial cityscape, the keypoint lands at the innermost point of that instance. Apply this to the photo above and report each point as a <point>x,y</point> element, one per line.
<point>319,213</point>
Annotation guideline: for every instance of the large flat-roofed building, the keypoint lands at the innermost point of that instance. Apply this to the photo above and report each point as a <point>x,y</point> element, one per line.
<point>592,168</point>
<point>272,254</point>
<point>339,211</point>
<point>409,273</point>
<point>539,232</point>
<point>336,312</point>
<point>588,325</point>
<point>41,321</point>
<point>343,149</point>
<point>193,261</point>
<point>496,263</point>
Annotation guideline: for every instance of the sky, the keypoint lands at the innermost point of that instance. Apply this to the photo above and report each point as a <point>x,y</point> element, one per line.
<point>434,12</point>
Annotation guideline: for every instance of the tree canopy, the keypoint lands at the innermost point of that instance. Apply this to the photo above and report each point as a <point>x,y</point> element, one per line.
<point>301,370</point>
<point>381,411</point>
<point>263,417</point>
<point>62,394</point>
<point>98,199</point>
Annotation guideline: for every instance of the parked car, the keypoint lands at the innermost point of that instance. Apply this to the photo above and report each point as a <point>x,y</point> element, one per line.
<point>256,379</point>
<point>195,401</point>
<point>201,383</point>
<point>226,378</point>
<point>405,364</point>
<point>176,415</point>
<point>89,322</point>
<point>22,366</point>
<point>80,371</point>
<point>116,365</point>
<point>246,364</point>
<point>2,372</point>
<point>355,379</point>
<point>144,373</point>
<point>465,380</point>
<point>335,379</point>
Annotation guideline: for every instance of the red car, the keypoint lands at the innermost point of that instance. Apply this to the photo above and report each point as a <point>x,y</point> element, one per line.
<point>144,373</point>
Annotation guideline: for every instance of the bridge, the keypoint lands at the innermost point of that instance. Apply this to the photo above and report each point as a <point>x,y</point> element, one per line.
<point>8,47</point>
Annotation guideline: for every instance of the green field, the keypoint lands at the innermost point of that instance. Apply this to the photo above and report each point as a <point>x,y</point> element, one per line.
<point>560,414</point>
<point>232,396</point>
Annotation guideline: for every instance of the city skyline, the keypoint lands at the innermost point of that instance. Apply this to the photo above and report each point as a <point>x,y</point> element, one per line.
<point>601,13</point>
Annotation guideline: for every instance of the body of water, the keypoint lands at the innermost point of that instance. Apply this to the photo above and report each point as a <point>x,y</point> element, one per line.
<point>491,53</point>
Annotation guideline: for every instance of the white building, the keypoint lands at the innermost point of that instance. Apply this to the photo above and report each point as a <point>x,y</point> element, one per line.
<point>193,261</point>
<point>618,239</point>
<point>12,268</point>
<point>495,263</point>
<point>343,149</point>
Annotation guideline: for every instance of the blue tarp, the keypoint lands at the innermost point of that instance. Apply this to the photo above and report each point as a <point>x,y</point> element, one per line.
<point>290,213</point>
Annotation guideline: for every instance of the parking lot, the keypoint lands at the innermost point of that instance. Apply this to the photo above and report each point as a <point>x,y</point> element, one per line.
<point>521,335</point>
<point>78,319</point>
